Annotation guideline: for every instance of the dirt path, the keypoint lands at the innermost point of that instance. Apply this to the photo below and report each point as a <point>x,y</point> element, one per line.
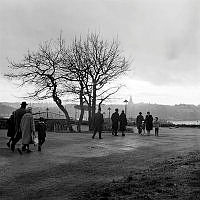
<point>69,163</point>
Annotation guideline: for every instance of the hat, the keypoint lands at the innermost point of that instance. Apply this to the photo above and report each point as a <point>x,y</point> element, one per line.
<point>24,103</point>
<point>140,112</point>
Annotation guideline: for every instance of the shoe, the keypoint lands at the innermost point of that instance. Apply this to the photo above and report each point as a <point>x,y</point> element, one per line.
<point>19,150</point>
<point>28,151</point>
<point>100,138</point>
<point>12,147</point>
<point>123,134</point>
<point>8,145</point>
<point>116,135</point>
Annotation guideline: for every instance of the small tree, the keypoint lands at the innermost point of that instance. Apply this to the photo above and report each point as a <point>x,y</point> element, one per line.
<point>42,70</point>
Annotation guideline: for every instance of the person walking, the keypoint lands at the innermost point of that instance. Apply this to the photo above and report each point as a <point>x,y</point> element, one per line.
<point>11,129</point>
<point>18,114</point>
<point>115,122</point>
<point>139,122</point>
<point>41,132</point>
<point>149,122</point>
<point>98,123</point>
<point>156,126</point>
<point>123,122</point>
<point>28,130</point>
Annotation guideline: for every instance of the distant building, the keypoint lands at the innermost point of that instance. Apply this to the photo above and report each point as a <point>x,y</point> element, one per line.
<point>130,108</point>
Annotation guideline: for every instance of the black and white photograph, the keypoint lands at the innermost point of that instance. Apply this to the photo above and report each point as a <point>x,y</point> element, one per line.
<point>99,99</point>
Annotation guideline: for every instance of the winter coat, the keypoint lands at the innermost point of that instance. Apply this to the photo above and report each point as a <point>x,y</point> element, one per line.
<point>17,118</point>
<point>149,122</point>
<point>139,120</point>
<point>123,122</point>
<point>41,130</point>
<point>98,121</point>
<point>28,128</point>
<point>115,120</point>
<point>11,126</point>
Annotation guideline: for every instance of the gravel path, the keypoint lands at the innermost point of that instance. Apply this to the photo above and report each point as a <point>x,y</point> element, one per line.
<point>71,162</point>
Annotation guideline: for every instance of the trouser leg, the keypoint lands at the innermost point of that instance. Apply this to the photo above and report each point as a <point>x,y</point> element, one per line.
<point>95,131</point>
<point>100,134</point>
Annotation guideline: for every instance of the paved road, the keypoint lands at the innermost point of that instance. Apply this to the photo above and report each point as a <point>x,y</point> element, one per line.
<point>69,162</point>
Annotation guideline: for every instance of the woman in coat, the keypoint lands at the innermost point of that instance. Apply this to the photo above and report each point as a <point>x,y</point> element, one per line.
<point>28,129</point>
<point>123,122</point>
<point>149,123</point>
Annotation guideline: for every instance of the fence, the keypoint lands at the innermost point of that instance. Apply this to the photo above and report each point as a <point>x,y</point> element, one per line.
<point>54,125</point>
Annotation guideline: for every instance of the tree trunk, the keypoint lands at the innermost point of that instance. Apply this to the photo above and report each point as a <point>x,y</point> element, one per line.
<point>93,104</point>
<point>59,104</point>
<point>82,111</point>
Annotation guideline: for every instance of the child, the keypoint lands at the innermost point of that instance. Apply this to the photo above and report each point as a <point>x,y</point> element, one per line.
<point>41,132</point>
<point>143,127</point>
<point>11,129</point>
<point>156,125</point>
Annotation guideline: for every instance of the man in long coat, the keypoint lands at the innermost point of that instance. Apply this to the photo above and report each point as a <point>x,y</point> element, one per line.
<point>28,129</point>
<point>139,120</point>
<point>123,122</point>
<point>17,120</point>
<point>98,123</point>
<point>115,122</point>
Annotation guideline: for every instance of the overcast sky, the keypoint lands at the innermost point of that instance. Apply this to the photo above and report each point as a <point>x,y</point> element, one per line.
<point>162,37</point>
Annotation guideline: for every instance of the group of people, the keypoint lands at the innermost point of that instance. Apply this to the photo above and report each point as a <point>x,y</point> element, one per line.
<point>147,123</point>
<point>21,126</point>
<point>119,123</point>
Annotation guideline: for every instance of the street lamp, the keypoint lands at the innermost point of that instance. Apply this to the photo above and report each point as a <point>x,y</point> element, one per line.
<point>125,101</point>
<point>47,113</point>
<point>109,114</point>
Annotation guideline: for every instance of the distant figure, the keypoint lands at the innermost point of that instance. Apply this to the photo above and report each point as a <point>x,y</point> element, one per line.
<point>139,121</point>
<point>156,126</point>
<point>98,123</point>
<point>123,122</point>
<point>148,123</point>
<point>17,120</point>
<point>41,132</point>
<point>115,122</point>
<point>11,129</point>
<point>28,130</point>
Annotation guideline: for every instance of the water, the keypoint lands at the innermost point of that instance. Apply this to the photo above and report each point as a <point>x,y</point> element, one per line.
<point>197,122</point>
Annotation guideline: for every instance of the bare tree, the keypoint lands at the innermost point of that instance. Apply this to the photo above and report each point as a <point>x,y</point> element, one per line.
<point>42,70</point>
<point>96,63</point>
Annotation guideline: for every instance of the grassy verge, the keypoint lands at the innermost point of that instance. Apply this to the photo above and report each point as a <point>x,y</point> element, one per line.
<point>175,178</point>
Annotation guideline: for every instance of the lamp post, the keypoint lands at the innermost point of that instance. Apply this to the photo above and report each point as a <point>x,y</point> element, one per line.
<point>109,114</point>
<point>47,113</point>
<point>125,101</point>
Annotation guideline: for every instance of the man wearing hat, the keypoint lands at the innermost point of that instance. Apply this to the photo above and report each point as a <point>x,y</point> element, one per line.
<point>17,119</point>
<point>139,120</point>
<point>115,122</point>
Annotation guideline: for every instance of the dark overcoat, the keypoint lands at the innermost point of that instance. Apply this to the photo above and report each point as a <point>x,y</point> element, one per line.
<point>123,122</point>
<point>11,126</point>
<point>139,120</point>
<point>149,122</point>
<point>98,121</point>
<point>115,120</point>
<point>41,128</point>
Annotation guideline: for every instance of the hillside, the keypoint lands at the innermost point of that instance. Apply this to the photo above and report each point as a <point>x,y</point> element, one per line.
<point>176,112</point>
